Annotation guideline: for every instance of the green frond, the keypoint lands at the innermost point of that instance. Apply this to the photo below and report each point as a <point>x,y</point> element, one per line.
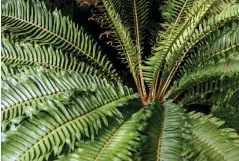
<point>208,142</point>
<point>24,92</point>
<point>210,78</point>
<point>124,42</point>
<point>25,54</point>
<point>173,10</point>
<point>173,44</point>
<point>164,133</point>
<point>219,6</point>
<point>119,32</point>
<point>32,20</point>
<point>137,17</point>
<point>205,28</point>
<point>221,45</point>
<point>117,142</point>
<point>225,95</point>
<point>167,42</point>
<point>7,71</point>
<point>62,123</point>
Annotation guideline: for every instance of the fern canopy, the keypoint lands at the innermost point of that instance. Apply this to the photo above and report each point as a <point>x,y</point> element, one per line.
<point>69,113</point>
<point>62,99</point>
<point>32,20</point>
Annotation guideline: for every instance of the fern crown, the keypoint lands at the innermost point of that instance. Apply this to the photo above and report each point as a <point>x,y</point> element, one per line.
<point>63,99</point>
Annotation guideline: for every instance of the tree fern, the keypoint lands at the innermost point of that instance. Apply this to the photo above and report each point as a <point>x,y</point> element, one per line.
<point>62,99</point>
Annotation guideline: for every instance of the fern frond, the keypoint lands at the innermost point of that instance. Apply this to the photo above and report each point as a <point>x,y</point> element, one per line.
<point>226,94</point>
<point>209,78</point>
<point>219,6</point>
<point>168,42</point>
<point>208,142</point>
<point>7,71</point>
<point>173,44</point>
<point>120,31</point>
<point>25,54</point>
<point>64,123</point>
<point>117,142</point>
<point>137,16</point>
<point>125,42</point>
<point>137,12</point>
<point>164,133</point>
<point>205,28</point>
<point>220,45</point>
<point>176,10</point>
<point>38,25</point>
<point>25,91</point>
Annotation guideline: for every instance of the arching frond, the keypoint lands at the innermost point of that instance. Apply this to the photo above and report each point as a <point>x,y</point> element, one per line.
<point>137,16</point>
<point>122,38</point>
<point>219,6</point>
<point>121,32</point>
<point>117,142</point>
<point>25,54</point>
<point>32,20</point>
<point>220,45</point>
<point>208,142</point>
<point>176,10</point>
<point>205,28</point>
<point>168,40</point>
<point>63,122</point>
<point>23,92</point>
<point>207,79</point>
<point>178,40</point>
<point>164,133</point>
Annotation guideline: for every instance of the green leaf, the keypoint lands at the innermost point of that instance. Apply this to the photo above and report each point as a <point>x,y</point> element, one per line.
<point>116,142</point>
<point>48,131</point>
<point>31,19</point>
<point>26,54</point>
<point>36,87</point>
<point>208,141</point>
<point>164,133</point>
